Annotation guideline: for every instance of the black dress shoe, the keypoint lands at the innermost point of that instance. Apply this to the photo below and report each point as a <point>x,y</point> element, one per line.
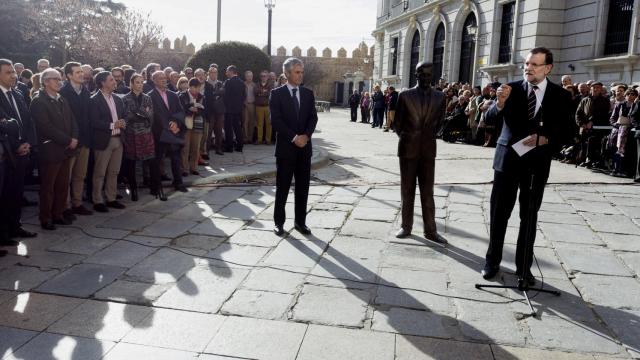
<point>302,229</point>
<point>219,152</point>
<point>9,242</point>
<point>62,221</point>
<point>529,279</point>
<point>48,225</point>
<point>69,215</point>
<point>205,156</point>
<point>181,188</point>
<point>81,210</point>
<point>278,230</point>
<point>22,233</point>
<point>165,178</point>
<point>195,172</point>
<point>437,238</point>
<point>228,150</point>
<point>403,233</point>
<point>116,204</point>
<point>489,271</point>
<point>101,208</point>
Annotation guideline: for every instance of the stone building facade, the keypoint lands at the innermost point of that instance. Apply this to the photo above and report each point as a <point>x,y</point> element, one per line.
<point>475,40</point>
<point>332,78</point>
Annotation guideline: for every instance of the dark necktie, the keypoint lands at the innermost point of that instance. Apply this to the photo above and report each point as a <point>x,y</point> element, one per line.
<point>532,103</point>
<point>13,106</point>
<point>295,101</point>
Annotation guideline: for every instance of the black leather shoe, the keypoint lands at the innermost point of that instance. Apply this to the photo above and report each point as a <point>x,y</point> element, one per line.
<point>205,156</point>
<point>403,233</point>
<point>219,153</point>
<point>529,279</point>
<point>9,242</point>
<point>278,230</point>
<point>62,221</point>
<point>165,178</point>
<point>101,208</point>
<point>437,238</point>
<point>116,205</point>
<point>302,229</point>
<point>68,214</point>
<point>181,188</point>
<point>489,272</point>
<point>48,225</point>
<point>22,233</point>
<point>134,194</point>
<point>81,210</point>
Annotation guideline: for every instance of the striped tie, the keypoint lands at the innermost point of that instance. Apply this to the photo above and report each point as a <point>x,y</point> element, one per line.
<point>532,103</point>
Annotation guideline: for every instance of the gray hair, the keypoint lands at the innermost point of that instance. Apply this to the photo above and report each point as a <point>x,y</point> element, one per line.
<point>290,63</point>
<point>43,61</point>
<point>156,74</point>
<point>48,74</point>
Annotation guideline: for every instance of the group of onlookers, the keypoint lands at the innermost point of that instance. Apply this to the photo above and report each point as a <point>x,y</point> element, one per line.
<point>375,108</point>
<point>86,130</point>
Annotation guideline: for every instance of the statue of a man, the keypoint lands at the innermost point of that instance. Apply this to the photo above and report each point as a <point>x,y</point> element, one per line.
<point>420,114</point>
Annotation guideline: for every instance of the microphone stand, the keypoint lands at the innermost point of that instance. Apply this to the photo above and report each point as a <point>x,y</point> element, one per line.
<point>523,285</point>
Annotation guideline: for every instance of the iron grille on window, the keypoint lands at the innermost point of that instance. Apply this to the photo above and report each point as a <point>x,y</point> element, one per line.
<point>506,33</point>
<point>618,27</point>
<point>394,56</point>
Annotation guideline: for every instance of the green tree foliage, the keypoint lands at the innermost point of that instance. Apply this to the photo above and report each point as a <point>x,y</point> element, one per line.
<point>244,56</point>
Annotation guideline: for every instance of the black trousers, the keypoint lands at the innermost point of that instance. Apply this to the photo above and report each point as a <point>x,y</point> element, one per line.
<point>422,170</point>
<point>12,191</point>
<point>174,153</point>
<point>637,176</point>
<point>154,170</point>
<point>354,113</point>
<point>233,126</point>
<point>300,167</point>
<point>503,199</point>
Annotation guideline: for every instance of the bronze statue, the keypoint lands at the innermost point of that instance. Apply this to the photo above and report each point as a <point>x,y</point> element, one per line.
<point>419,118</point>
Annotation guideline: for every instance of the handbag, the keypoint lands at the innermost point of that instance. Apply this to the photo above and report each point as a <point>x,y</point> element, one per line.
<point>188,122</point>
<point>166,136</point>
<point>623,120</point>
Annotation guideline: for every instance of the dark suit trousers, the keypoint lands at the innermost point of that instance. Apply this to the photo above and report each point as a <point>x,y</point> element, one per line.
<point>300,167</point>
<point>154,170</point>
<point>54,188</point>
<point>422,170</point>
<point>12,190</point>
<point>354,113</point>
<point>175,156</point>
<point>503,199</point>
<point>637,177</point>
<point>233,126</point>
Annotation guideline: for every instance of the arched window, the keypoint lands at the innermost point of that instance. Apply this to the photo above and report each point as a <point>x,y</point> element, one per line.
<point>415,57</point>
<point>438,53</point>
<point>467,50</point>
<point>618,27</point>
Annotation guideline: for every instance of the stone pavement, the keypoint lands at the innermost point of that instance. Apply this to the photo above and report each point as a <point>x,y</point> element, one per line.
<point>202,277</point>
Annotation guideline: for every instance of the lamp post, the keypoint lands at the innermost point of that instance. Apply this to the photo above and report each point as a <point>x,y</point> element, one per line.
<point>219,18</point>
<point>269,4</point>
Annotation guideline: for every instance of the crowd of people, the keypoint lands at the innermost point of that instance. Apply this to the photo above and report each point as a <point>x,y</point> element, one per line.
<point>78,132</point>
<point>607,135</point>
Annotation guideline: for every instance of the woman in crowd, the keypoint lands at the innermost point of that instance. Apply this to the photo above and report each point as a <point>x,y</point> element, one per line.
<point>183,84</point>
<point>282,79</point>
<point>365,106</point>
<point>138,139</point>
<point>35,80</point>
<point>192,102</point>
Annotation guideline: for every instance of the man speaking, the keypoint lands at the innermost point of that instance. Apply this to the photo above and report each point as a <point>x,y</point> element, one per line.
<point>536,121</point>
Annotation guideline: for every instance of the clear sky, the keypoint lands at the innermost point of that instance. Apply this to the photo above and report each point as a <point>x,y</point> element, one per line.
<point>305,23</point>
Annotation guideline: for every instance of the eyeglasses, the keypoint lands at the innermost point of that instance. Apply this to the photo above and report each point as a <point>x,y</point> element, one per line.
<point>527,64</point>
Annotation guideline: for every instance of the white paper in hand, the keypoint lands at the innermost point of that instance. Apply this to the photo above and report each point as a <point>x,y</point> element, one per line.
<point>521,148</point>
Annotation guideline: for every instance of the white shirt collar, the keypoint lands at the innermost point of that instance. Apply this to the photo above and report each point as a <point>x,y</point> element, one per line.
<point>291,87</point>
<point>541,85</point>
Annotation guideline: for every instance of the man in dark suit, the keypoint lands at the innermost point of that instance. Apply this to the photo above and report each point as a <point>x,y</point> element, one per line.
<point>418,119</point>
<point>538,112</point>
<point>294,118</point>
<point>16,112</point>
<point>168,126</point>
<point>106,114</point>
<point>235,93</point>
<point>634,114</point>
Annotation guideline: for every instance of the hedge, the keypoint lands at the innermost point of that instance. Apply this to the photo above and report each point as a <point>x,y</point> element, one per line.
<point>243,55</point>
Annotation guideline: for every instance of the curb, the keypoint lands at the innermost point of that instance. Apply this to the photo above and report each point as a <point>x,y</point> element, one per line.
<point>319,159</point>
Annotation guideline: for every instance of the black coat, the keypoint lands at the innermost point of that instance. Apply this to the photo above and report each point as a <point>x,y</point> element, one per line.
<point>101,120</point>
<point>555,114</point>
<point>56,127</point>
<point>79,104</point>
<point>26,133</point>
<point>25,91</point>
<point>213,98</point>
<point>634,114</point>
<point>235,93</point>
<point>163,115</point>
<point>285,122</point>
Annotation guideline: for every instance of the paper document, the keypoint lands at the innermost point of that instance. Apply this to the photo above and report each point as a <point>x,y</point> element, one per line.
<point>521,148</point>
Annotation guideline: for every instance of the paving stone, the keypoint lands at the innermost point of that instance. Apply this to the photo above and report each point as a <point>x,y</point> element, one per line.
<point>621,242</point>
<point>108,233</point>
<point>627,200</point>
<point>11,339</point>
<point>131,220</point>
<point>558,218</point>
<point>583,194</point>
<point>167,207</point>
<point>420,348</point>
<point>614,292</point>
<point>48,346</point>
<point>510,352</point>
<point>257,304</point>
<point>148,240</point>
<point>100,320</point>
<point>557,207</point>
<point>164,266</point>
<point>124,351</point>
<point>331,306</point>
<point>325,219</point>
<point>414,322</point>
<point>488,322</point>
<point>175,329</point>
<point>377,204</point>
<point>262,196</point>
<point>24,278</point>
<point>594,207</point>
<point>350,259</point>
<point>577,234</point>
<point>332,206</point>
<point>323,342</point>
<point>632,260</point>
<point>31,311</point>
<point>275,340</point>
<point>240,210</point>
<point>377,214</point>
<point>367,229</point>
<point>202,289</point>
<point>7,295</point>
<point>132,292</point>
<point>236,255</point>
<point>82,280</point>
<point>320,235</point>
<point>316,189</point>
<point>294,253</point>
<point>199,242</point>
<point>619,224</point>
<point>168,228</point>
<point>255,238</point>
<point>51,260</point>
<point>591,260</point>
<point>414,289</point>
<point>267,279</point>
<point>625,324</point>
<point>218,227</point>
<point>413,257</point>
<point>222,196</point>
<point>81,245</point>
<point>122,253</point>
<point>195,211</point>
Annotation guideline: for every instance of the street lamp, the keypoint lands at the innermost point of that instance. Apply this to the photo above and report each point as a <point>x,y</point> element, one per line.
<point>219,19</point>
<point>269,4</point>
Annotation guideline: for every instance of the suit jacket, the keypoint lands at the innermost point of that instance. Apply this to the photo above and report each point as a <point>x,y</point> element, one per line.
<point>25,91</point>
<point>213,98</point>
<point>555,114</point>
<point>634,114</point>
<point>56,127</point>
<point>419,118</point>
<point>235,93</point>
<point>79,104</point>
<point>26,128</point>
<point>162,114</point>
<point>101,119</point>
<point>6,151</point>
<point>288,124</point>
